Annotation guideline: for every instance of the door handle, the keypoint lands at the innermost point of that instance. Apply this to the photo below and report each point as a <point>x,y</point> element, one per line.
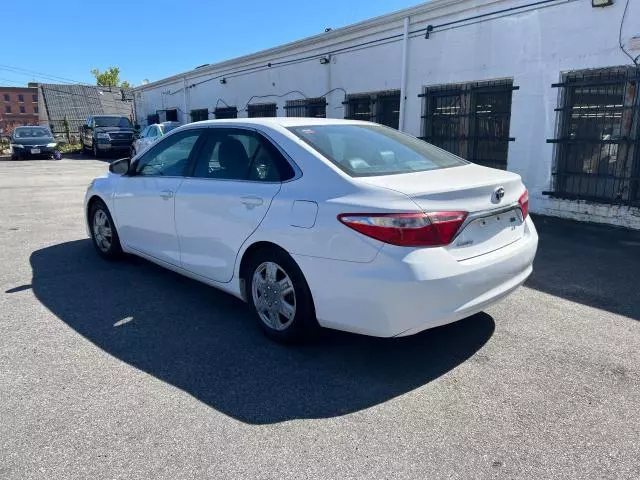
<point>250,201</point>
<point>166,194</point>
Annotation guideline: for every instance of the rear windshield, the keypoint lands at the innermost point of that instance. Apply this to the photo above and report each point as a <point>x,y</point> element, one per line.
<point>121,122</point>
<point>372,150</point>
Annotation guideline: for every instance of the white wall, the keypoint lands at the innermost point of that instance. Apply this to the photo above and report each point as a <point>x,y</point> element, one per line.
<point>533,47</point>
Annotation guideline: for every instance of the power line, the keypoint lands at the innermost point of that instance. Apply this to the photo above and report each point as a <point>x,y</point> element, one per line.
<point>624,50</point>
<point>24,71</point>
<point>389,39</point>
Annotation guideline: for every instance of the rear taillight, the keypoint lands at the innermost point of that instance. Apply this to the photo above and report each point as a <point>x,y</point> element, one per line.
<point>524,203</point>
<point>432,229</point>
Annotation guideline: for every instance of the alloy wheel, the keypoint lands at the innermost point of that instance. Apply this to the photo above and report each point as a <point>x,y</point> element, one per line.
<point>102,230</point>
<point>273,295</point>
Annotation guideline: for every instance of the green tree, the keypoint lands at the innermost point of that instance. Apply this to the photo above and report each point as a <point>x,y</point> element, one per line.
<point>65,123</point>
<point>109,78</point>
<point>125,84</point>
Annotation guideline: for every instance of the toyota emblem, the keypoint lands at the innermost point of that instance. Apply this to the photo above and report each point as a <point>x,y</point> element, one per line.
<point>498,194</point>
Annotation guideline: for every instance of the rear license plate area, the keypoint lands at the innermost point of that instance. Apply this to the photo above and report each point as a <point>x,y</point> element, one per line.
<point>486,234</point>
<point>35,151</point>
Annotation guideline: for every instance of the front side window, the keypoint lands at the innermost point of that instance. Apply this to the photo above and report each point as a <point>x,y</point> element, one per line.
<point>234,154</point>
<point>170,157</point>
<point>371,150</point>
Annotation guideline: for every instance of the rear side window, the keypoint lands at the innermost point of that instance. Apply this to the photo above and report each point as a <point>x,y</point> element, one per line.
<point>236,154</point>
<point>372,150</point>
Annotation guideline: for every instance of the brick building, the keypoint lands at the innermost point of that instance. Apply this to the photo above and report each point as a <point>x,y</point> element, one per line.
<point>18,106</point>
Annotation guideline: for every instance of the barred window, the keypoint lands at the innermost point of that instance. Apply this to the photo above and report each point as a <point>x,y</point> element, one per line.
<point>307,107</point>
<point>261,110</point>
<point>470,120</point>
<point>199,114</point>
<point>226,112</point>
<point>597,136</point>
<point>379,107</point>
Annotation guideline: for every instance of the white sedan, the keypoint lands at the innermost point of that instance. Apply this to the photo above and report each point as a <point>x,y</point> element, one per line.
<point>342,224</point>
<point>150,134</point>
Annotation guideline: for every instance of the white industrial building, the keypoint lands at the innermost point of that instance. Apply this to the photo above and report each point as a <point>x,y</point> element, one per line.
<point>547,89</point>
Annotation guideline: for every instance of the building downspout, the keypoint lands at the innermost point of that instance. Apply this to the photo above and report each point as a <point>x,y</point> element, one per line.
<point>185,107</point>
<point>403,81</point>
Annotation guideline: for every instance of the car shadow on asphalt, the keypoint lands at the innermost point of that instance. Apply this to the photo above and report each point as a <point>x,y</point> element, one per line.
<point>205,342</point>
<point>595,265</point>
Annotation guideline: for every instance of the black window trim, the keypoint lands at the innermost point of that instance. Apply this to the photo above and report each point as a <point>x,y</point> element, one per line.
<point>271,107</point>
<point>297,172</point>
<point>233,110</point>
<point>375,99</point>
<point>470,89</point>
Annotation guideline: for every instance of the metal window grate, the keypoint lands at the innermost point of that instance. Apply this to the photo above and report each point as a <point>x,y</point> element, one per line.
<point>597,153</point>
<point>470,120</point>
<point>262,110</point>
<point>226,112</point>
<point>199,114</point>
<point>379,107</point>
<point>307,107</point>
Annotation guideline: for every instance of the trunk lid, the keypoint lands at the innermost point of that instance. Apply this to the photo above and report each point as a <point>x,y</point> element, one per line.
<point>471,188</point>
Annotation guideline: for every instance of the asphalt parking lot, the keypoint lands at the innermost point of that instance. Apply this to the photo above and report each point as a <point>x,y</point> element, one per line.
<point>125,370</point>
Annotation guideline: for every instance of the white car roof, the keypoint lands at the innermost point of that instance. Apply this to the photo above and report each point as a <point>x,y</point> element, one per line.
<point>281,121</point>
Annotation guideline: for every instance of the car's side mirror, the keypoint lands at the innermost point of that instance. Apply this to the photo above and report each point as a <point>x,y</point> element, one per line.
<point>121,166</point>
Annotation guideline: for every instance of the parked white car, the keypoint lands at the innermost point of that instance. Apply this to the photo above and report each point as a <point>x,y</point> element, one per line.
<point>343,224</point>
<point>150,134</point>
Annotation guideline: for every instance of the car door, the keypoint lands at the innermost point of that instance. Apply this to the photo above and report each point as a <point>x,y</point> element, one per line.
<point>219,205</point>
<point>145,199</point>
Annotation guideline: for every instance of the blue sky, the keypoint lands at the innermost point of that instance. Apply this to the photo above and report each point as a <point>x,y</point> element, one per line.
<point>155,39</point>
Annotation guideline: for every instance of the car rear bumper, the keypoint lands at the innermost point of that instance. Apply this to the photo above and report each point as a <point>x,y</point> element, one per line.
<point>404,291</point>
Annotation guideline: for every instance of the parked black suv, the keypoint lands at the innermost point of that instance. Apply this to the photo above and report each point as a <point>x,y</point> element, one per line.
<point>106,133</point>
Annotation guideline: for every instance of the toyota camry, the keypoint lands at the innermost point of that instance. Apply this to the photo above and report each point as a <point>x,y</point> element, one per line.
<point>320,222</point>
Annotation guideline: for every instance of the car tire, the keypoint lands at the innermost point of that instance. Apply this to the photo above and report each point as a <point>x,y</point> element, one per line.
<point>273,277</point>
<point>103,231</point>
<point>95,151</point>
